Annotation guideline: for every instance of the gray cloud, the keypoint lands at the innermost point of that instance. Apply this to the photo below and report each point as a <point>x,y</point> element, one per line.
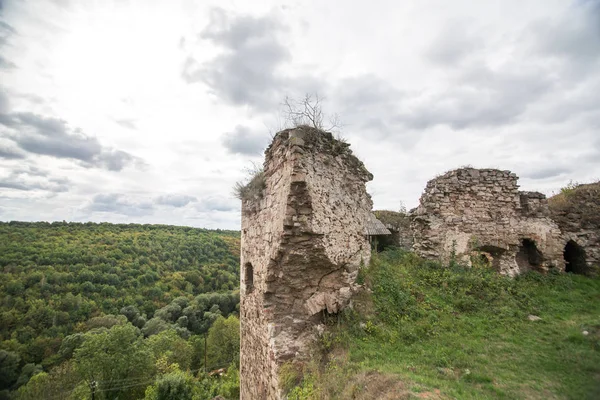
<point>53,137</point>
<point>367,102</point>
<point>547,172</point>
<point>362,92</point>
<point>62,3</point>
<point>126,123</point>
<point>6,31</point>
<point>3,101</point>
<point>115,203</point>
<point>174,200</point>
<point>243,141</point>
<point>114,160</point>
<point>51,186</point>
<point>31,170</point>
<point>33,178</point>
<point>551,65</point>
<point>6,64</point>
<point>9,151</point>
<point>475,95</point>
<point>370,106</point>
<point>31,97</point>
<point>479,97</point>
<point>576,37</point>
<point>216,203</point>
<point>453,44</point>
<point>246,73</point>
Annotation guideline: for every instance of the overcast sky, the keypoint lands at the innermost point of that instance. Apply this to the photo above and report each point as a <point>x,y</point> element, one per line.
<point>150,111</point>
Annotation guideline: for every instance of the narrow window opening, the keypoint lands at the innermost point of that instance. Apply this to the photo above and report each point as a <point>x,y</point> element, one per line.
<point>249,277</point>
<point>575,258</point>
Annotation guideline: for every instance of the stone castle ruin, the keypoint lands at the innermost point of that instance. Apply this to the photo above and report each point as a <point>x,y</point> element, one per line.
<point>307,227</point>
<point>303,241</point>
<point>471,212</point>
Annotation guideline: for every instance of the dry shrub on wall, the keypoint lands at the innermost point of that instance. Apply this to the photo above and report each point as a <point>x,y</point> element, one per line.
<point>253,187</point>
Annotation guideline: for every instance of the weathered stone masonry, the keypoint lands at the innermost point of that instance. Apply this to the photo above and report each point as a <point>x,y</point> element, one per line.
<point>480,212</point>
<point>577,213</point>
<point>302,244</point>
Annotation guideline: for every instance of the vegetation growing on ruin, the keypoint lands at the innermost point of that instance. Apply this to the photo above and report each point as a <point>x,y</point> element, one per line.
<point>308,111</point>
<point>127,306</point>
<point>574,194</point>
<point>253,187</point>
<point>437,332</point>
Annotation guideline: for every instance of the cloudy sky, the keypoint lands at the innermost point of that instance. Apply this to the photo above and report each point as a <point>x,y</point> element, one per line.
<point>149,111</point>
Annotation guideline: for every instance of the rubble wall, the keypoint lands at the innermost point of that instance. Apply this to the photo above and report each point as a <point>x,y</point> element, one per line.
<point>304,237</point>
<point>577,213</point>
<point>470,212</point>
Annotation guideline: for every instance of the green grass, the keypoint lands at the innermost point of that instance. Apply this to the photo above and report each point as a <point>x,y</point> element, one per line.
<point>465,333</point>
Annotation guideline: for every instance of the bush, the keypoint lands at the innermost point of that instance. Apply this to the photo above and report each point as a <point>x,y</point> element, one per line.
<point>253,188</point>
<point>176,385</point>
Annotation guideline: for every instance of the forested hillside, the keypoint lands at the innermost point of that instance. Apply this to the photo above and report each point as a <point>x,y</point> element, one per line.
<point>120,305</point>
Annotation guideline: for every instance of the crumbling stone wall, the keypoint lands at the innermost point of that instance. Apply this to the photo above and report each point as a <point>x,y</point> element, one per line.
<point>577,213</point>
<point>302,244</point>
<point>471,212</point>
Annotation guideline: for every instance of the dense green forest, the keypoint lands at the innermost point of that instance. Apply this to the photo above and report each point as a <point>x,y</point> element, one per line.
<point>119,310</point>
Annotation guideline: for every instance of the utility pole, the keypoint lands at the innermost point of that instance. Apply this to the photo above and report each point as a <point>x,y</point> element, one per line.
<point>93,385</point>
<point>204,354</point>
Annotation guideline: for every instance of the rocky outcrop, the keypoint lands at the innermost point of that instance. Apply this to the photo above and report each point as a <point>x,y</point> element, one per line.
<point>576,210</point>
<point>302,244</point>
<point>480,213</point>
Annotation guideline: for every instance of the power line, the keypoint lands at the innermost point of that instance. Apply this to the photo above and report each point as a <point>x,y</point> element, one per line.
<point>133,380</point>
<point>63,394</point>
<point>128,383</point>
<point>151,380</point>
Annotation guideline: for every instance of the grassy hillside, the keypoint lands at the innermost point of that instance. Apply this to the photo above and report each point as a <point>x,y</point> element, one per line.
<point>61,281</point>
<point>427,331</point>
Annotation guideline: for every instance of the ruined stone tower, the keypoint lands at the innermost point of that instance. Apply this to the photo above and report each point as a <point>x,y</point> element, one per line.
<point>303,240</point>
<point>471,212</point>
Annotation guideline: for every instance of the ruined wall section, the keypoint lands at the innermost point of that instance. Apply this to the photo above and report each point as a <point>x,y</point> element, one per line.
<point>577,213</point>
<point>305,240</point>
<point>481,210</point>
<point>262,228</point>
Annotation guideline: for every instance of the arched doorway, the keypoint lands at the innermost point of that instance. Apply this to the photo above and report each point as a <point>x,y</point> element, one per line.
<point>528,257</point>
<point>575,260</point>
<point>488,256</point>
